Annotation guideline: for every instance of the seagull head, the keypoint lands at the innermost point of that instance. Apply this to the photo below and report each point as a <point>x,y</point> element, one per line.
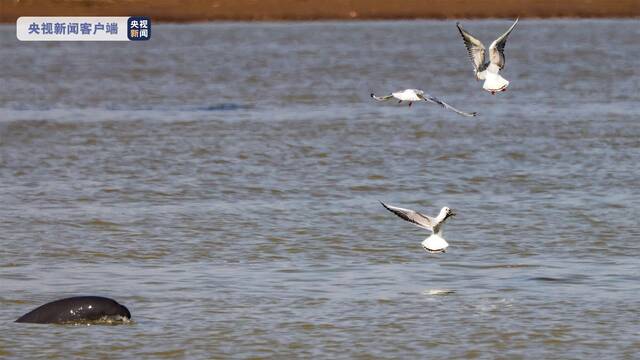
<point>447,212</point>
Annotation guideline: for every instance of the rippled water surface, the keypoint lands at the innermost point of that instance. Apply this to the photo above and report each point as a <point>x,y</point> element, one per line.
<point>222,181</point>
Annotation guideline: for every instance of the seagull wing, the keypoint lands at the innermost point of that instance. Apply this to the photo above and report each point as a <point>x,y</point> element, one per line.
<point>415,217</point>
<point>474,47</point>
<point>435,100</point>
<point>496,50</point>
<point>381,98</point>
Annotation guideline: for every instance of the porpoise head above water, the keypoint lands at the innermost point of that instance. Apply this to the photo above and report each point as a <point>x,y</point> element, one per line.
<point>77,310</point>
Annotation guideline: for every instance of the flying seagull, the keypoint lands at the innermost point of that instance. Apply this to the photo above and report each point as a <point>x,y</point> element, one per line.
<point>488,71</point>
<point>434,243</point>
<point>412,95</point>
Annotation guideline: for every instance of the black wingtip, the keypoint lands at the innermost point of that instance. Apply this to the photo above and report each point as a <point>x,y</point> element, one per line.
<point>372,95</point>
<point>474,114</point>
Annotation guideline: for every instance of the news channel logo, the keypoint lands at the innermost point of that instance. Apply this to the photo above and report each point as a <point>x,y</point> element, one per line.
<point>138,28</point>
<point>83,28</point>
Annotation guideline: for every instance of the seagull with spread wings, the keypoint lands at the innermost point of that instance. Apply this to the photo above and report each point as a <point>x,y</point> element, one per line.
<point>434,243</point>
<point>488,71</point>
<point>412,95</point>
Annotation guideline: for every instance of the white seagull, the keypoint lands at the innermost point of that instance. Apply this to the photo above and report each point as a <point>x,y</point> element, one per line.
<point>488,71</point>
<point>434,243</point>
<point>412,95</point>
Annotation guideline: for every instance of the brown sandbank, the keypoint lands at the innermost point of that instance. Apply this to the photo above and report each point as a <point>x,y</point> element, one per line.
<point>209,10</point>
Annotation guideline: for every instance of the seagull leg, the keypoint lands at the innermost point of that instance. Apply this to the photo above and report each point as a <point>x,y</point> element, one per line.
<point>399,101</point>
<point>410,103</point>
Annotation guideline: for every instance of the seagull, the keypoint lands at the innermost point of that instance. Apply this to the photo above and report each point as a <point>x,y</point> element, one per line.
<point>488,71</point>
<point>412,95</point>
<point>434,243</point>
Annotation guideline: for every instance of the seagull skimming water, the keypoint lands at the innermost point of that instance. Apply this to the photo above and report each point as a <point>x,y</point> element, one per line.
<point>412,95</point>
<point>488,71</point>
<point>434,243</point>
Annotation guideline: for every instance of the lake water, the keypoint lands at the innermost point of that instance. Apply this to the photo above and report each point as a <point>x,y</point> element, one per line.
<point>222,181</point>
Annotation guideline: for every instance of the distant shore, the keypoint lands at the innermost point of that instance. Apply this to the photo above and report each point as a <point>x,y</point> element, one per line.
<point>251,10</point>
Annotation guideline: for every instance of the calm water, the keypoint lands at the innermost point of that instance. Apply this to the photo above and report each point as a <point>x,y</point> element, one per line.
<point>222,181</point>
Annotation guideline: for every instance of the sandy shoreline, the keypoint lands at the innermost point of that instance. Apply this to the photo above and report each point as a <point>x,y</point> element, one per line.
<point>210,10</point>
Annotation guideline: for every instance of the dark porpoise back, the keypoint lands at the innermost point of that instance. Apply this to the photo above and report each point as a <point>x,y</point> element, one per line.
<point>76,309</point>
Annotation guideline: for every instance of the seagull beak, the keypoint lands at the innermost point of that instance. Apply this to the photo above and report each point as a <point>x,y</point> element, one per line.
<point>452,213</point>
